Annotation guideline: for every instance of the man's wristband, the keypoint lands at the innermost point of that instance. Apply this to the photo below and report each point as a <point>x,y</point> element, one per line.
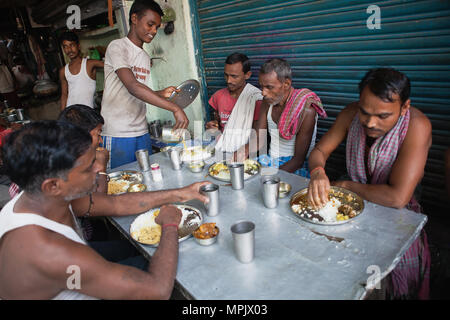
<point>315,169</point>
<point>170,225</point>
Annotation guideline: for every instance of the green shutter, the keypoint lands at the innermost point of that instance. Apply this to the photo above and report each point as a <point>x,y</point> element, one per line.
<point>330,48</point>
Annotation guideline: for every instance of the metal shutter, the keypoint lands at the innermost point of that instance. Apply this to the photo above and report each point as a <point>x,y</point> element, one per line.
<point>330,49</point>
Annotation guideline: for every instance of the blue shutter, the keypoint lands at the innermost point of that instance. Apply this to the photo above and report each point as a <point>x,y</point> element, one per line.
<point>330,48</point>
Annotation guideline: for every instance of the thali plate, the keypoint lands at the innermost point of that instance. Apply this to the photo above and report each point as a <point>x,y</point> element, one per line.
<point>189,91</point>
<point>224,175</point>
<point>346,197</point>
<point>125,178</point>
<point>191,220</point>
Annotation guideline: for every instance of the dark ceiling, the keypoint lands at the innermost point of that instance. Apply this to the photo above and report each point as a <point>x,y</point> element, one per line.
<point>51,12</point>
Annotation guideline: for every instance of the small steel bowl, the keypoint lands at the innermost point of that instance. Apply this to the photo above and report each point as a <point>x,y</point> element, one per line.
<point>137,187</point>
<point>196,166</point>
<point>209,241</point>
<point>284,189</point>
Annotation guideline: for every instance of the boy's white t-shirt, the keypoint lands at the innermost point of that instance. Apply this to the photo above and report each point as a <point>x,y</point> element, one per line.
<point>124,114</point>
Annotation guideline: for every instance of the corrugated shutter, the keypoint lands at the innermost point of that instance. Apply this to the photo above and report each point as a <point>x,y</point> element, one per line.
<point>330,48</point>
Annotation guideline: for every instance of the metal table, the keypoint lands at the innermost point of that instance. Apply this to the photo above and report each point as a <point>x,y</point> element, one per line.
<point>294,259</point>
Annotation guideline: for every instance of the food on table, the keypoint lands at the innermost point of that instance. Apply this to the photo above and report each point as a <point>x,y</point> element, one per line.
<point>206,231</point>
<point>148,235</point>
<point>118,186</point>
<point>251,167</point>
<point>121,183</point>
<point>218,167</point>
<point>194,154</point>
<point>137,187</point>
<point>346,211</point>
<point>341,206</point>
<point>221,171</point>
<point>142,228</point>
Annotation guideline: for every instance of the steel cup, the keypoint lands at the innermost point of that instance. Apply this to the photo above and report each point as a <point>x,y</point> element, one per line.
<point>212,192</point>
<point>270,190</point>
<point>147,178</point>
<point>20,114</point>
<point>237,175</point>
<point>175,158</point>
<point>143,160</point>
<point>155,130</point>
<point>244,240</point>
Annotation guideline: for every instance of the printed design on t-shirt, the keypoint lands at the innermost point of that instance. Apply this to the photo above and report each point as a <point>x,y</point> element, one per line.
<point>224,117</point>
<point>140,73</point>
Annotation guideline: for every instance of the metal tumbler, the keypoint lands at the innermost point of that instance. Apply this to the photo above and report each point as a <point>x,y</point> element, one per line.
<point>147,178</point>
<point>20,114</point>
<point>175,158</point>
<point>244,240</point>
<point>270,190</point>
<point>142,159</point>
<point>237,175</point>
<point>212,192</point>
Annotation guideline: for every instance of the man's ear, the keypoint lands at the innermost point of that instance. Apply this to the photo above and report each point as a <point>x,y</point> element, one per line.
<point>52,186</point>
<point>134,18</point>
<point>287,84</point>
<point>248,75</point>
<point>405,107</point>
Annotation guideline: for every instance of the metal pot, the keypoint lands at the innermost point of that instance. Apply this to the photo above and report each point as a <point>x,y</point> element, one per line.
<point>11,117</point>
<point>155,130</point>
<point>43,88</point>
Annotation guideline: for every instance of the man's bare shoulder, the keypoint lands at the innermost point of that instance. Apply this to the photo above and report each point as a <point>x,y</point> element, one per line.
<point>351,108</point>
<point>45,250</point>
<point>418,116</point>
<point>39,259</point>
<point>345,117</point>
<point>419,122</point>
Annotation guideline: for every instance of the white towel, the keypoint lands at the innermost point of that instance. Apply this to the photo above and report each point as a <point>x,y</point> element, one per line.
<point>238,128</point>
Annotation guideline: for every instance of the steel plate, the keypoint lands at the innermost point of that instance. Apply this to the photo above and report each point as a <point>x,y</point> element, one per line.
<point>184,231</point>
<point>130,175</point>
<point>188,93</point>
<point>345,196</point>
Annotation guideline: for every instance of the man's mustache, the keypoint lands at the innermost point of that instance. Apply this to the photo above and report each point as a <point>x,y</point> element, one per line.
<point>372,129</point>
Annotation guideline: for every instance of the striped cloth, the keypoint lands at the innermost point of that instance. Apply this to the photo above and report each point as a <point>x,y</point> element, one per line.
<point>13,190</point>
<point>411,277</point>
<point>287,125</point>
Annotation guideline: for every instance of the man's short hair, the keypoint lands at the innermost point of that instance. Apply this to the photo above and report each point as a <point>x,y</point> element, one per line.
<point>82,116</point>
<point>239,57</point>
<point>385,82</point>
<point>41,150</point>
<point>280,66</point>
<point>69,36</point>
<point>139,6</point>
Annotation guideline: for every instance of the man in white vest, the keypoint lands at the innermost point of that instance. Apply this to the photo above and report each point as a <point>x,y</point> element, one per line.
<point>78,77</point>
<point>41,244</point>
